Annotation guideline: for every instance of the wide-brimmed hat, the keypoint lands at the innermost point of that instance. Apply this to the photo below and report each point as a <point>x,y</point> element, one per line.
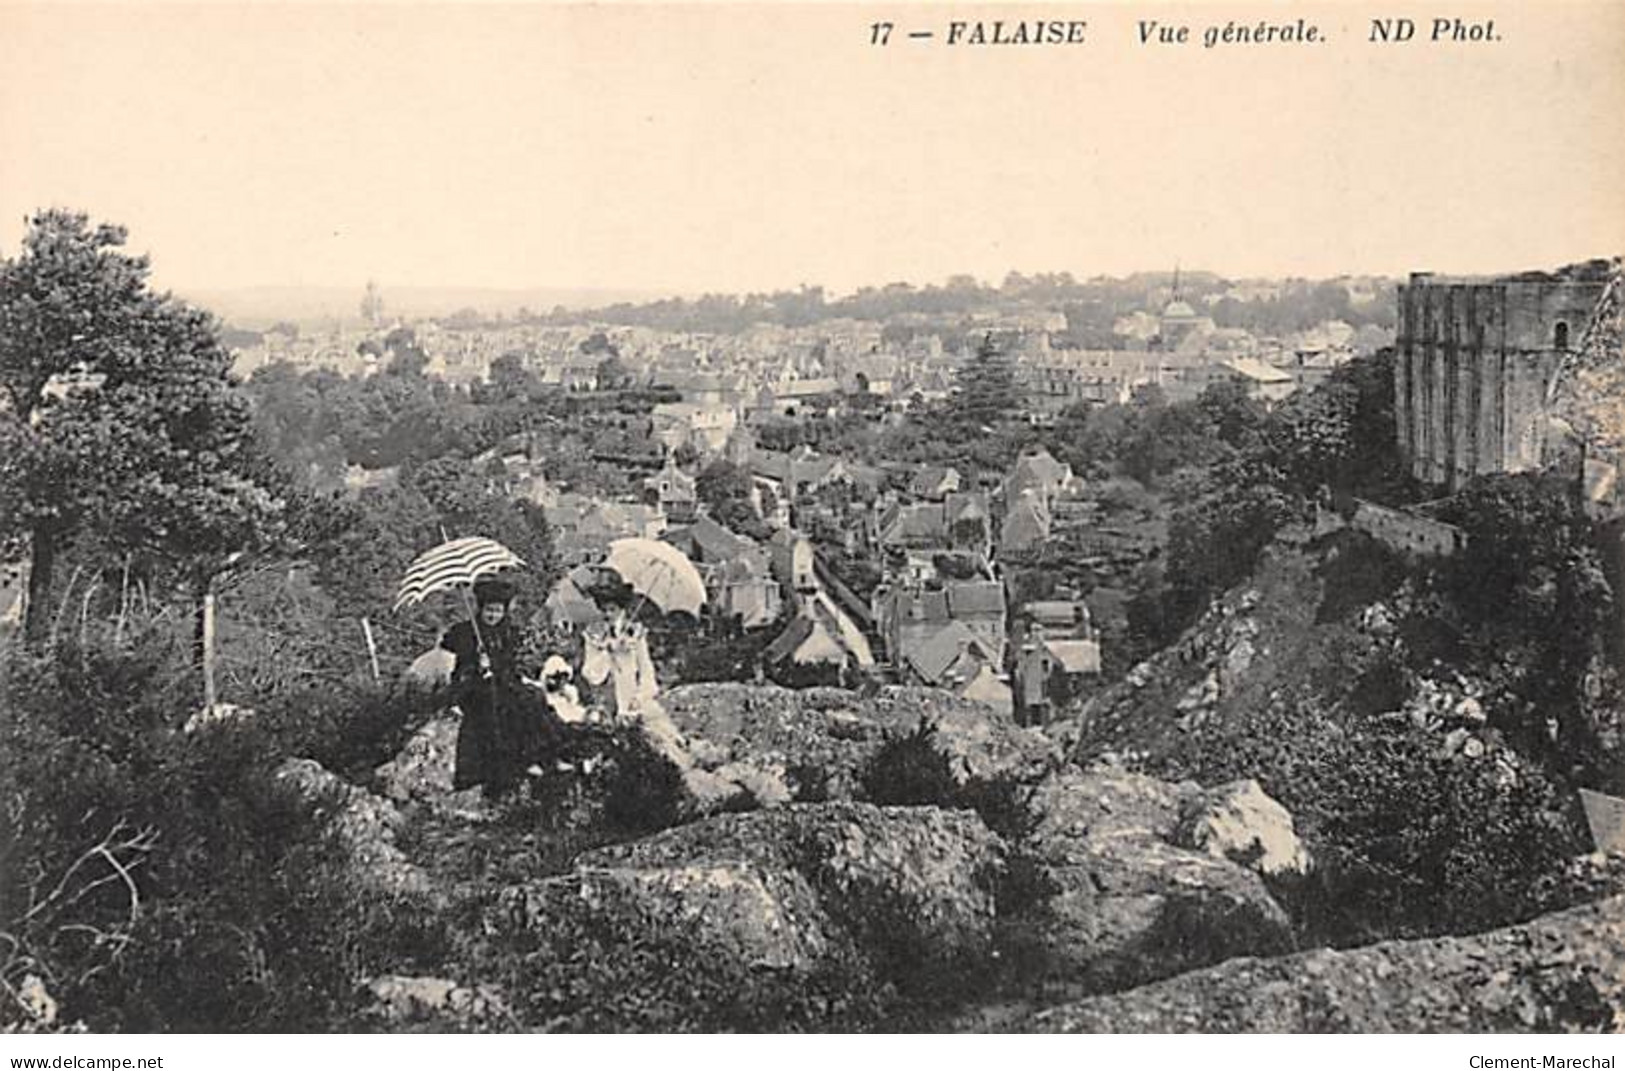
<point>488,590</point>
<point>556,666</point>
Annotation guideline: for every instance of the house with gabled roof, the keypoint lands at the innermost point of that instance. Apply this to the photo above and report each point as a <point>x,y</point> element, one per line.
<point>979,604</point>
<point>958,659</point>
<point>673,490</point>
<point>1026,524</point>
<point>800,472</point>
<point>569,606</point>
<point>933,483</point>
<point>736,570</point>
<point>909,619</point>
<point>1057,653</point>
<point>1038,470</point>
<point>819,646</point>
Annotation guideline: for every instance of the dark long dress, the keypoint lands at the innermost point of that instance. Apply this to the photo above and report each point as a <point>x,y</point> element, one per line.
<point>502,732</point>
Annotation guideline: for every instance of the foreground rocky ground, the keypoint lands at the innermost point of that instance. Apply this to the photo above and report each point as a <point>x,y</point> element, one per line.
<point>1564,972</point>
<point>903,861</point>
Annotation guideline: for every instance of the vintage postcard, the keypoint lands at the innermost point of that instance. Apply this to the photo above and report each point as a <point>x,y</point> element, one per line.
<point>777,517</point>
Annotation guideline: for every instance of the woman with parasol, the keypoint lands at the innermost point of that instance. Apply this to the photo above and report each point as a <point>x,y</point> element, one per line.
<point>505,728</point>
<point>502,732</point>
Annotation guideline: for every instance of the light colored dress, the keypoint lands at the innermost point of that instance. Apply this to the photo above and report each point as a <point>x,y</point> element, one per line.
<point>618,652</point>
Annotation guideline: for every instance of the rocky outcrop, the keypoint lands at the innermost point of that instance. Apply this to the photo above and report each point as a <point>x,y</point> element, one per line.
<point>423,771</point>
<point>1135,895</point>
<point>745,913</point>
<point>424,768</point>
<point>431,669</point>
<point>752,746</point>
<point>821,740</point>
<point>756,918</point>
<point>1562,972</point>
<point>1240,823</point>
<point>915,883</point>
<point>365,826</point>
<point>405,1001</point>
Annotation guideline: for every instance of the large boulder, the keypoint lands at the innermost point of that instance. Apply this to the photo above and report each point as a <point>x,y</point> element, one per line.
<point>365,826</point>
<point>1239,822</point>
<point>803,915</point>
<point>746,746</point>
<point>914,885</point>
<point>821,741</point>
<point>750,916</point>
<point>405,1002</point>
<point>1561,972</point>
<point>424,767</point>
<point>431,669</point>
<point>1131,901</point>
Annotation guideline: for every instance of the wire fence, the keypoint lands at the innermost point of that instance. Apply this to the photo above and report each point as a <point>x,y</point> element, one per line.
<point>275,633</point>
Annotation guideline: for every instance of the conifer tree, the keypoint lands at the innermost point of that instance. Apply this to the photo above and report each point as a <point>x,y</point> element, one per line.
<point>119,415</point>
<point>987,394</point>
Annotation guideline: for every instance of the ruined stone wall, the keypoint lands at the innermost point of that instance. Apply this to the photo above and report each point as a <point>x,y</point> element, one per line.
<point>1474,363</point>
<point>1408,533</point>
<point>1587,402</point>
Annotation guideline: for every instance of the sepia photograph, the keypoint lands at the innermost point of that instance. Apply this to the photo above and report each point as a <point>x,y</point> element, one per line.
<point>774,517</point>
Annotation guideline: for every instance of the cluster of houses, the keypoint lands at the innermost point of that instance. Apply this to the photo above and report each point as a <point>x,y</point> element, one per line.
<point>942,612</point>
<point>767,372</point>
<point>939,616</point>
<point>1182,353</point>
<point>764,370</point>
<point>750,584</point>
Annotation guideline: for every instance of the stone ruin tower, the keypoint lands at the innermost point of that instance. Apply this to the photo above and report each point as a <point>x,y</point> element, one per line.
<point>1510,373</point>
<point>1520,373</point>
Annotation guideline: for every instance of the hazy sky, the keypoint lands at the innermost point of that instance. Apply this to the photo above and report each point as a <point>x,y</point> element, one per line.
<point>748,146</point>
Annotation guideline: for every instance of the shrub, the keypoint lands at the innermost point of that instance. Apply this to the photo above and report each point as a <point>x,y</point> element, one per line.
<point>1409,841</point>
<point>157,879</point>
<point>912,769</point>
<point>581,975</point>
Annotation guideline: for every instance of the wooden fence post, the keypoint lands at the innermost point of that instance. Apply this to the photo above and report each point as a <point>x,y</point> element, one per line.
<point>372,648</point>
<point>209,695</point>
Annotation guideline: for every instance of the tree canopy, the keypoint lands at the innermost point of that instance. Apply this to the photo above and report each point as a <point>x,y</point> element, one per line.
<point>987,394</point>
<point>120,416</point>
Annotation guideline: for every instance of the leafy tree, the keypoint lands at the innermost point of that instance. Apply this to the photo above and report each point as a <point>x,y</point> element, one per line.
<point>1340,435</point>
<point>1236,419</point>
<point>687,455</point>
<point>1311,437</point>
<point>361,558</point>
<point>511,380</point>
<point>1225,518</point>
<point>613,374</point>
<point>298,423</point>
<point>120,415</point>
<point>406,357</point>
<point>1533,587</point>
<point>725,490</point>
<point>1165,437</point>
<point>598,342</point>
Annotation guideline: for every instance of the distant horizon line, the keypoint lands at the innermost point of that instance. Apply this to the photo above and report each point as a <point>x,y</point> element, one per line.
<point>589,297</point>
<point>838,292</point>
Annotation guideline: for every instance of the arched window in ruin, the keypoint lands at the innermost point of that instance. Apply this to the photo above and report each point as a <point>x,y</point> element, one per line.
<point>1560,336</point>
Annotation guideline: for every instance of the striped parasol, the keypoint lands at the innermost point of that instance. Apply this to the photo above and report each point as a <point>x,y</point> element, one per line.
<point>454,564</point>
